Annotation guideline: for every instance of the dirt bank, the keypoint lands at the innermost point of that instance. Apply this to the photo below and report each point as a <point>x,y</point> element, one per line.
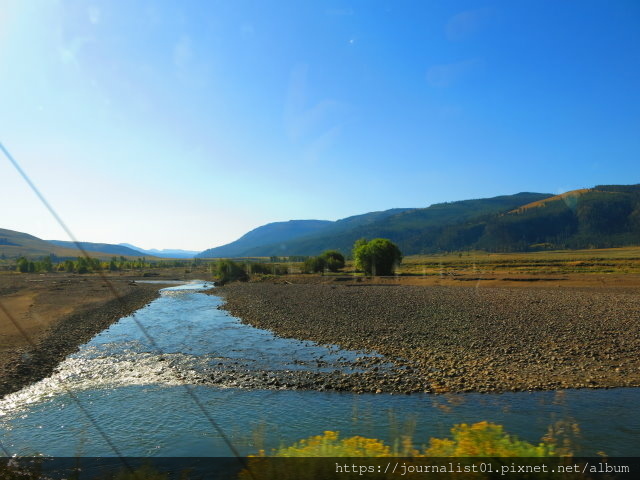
<point>57,313</point>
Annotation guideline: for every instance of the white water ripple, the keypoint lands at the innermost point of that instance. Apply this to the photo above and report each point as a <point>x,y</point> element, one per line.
<point>77,373</point>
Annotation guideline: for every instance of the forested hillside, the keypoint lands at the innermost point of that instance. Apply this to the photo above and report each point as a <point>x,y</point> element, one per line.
<point>599,217</point>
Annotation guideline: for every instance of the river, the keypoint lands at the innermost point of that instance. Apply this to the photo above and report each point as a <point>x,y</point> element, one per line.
<point>147,392</point>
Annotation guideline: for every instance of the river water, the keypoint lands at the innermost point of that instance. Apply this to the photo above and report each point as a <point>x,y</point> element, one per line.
<point>146,392</point>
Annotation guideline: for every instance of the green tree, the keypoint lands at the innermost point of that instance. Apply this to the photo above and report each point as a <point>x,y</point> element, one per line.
<point>379,256</point>
<point>45,265</point>
<point>334,260</point>
<point>81,265</point>
<point>22,265</point>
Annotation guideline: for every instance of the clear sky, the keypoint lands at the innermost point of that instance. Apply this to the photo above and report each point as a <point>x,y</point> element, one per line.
<point>185,124</point>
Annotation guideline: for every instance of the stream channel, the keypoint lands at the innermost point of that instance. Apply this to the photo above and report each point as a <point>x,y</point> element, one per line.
<point>135,391</point>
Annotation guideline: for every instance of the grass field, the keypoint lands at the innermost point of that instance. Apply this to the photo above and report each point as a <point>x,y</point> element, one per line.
<point>596,261</point>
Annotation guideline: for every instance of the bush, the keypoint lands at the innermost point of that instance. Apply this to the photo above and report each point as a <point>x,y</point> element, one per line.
<point>482,439</point>
<point>334,260</point>
<point>379,256</point>
<point>314,265</point>
<point>229,271</point>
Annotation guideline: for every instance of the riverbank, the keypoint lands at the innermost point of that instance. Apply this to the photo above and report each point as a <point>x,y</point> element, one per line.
<point>460,339</point>
<point>57,313</point>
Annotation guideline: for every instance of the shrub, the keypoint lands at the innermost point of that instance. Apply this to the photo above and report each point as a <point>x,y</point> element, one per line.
<point>334,260</point>
<point>330,444</point>
<point>230,271</point>
<point>314,265</point>
<point>482,439</point>
<point>379,256</point>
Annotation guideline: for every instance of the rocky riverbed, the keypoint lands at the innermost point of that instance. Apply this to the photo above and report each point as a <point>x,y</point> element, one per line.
<point>457,339</point>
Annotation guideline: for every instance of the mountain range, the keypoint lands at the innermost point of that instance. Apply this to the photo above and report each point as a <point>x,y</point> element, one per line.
<point>164,253</point>
<point>599,217</point>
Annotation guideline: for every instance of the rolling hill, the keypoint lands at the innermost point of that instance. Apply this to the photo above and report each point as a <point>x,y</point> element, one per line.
<point>17,244</point>
<point>99,247</point>
<point>277,234</point>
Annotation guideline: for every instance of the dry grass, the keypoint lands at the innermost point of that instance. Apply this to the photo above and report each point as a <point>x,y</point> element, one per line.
<point>562,196</point>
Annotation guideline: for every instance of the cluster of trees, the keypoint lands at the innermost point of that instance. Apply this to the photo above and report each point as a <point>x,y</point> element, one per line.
<point>24,265</point>
<point>229,271</point>
<point>379,256</point>
<point>331,260</point>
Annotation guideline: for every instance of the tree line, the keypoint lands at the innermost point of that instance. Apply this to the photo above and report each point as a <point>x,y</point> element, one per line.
<point>80,265</point>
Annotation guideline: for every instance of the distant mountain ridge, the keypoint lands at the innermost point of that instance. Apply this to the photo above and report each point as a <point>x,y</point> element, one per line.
<point>276,233</point>
<point>164,253</point>
<point>599,217</point>
<point>18,244</point>
<point>98,247</point>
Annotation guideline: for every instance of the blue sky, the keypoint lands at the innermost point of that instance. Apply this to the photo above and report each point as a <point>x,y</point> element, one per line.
<point>185,124</point>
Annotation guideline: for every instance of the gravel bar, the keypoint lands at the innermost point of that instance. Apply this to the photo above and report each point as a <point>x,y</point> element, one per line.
<point>459,339</point>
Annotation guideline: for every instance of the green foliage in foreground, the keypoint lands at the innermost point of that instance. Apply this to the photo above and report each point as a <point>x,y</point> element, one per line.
<point>379,256</point>
<point>482,439</point>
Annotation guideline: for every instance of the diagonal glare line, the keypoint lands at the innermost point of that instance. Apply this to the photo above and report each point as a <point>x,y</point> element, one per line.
<point>102,433</point>
<point>113,291</point>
